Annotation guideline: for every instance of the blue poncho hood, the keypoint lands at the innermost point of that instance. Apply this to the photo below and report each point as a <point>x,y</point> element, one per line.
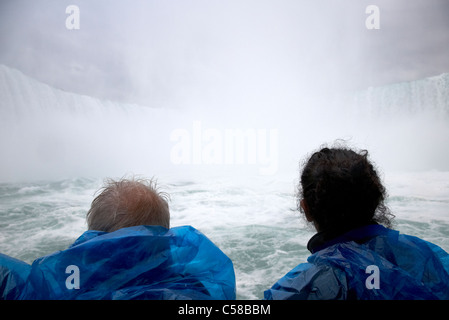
<point>405,267</point>
<point>142,262</point>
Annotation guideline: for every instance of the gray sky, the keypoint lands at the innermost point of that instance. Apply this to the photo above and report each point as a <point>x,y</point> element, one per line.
<point>186,52</point>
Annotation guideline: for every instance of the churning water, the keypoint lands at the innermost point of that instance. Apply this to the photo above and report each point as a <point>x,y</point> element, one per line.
<point>253,220</point>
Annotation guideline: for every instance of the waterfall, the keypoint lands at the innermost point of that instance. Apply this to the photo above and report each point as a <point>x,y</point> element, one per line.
<point>425,96</point>
<point>49,133</point>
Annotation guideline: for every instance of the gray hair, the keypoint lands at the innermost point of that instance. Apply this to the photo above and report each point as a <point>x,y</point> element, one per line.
<point>126,203</point>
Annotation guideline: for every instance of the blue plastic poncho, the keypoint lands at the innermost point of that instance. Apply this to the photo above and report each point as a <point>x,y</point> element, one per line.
<point>143,262</point>
<point>371,262</point>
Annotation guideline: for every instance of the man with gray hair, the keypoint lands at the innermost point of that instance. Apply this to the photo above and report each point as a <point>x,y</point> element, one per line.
<point>129,252</point>
<point>127,203</point>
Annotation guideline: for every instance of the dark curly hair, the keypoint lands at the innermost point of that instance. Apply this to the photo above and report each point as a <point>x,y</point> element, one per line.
<point>342,190</point>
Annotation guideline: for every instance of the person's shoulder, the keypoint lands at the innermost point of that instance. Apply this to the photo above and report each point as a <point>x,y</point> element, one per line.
<point>309,281</point>
<point>427,247</point>
<point>419,243</point>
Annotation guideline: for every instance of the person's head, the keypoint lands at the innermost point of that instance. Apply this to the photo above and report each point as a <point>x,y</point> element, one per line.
<point>126,203</point>
<point>341,190</point>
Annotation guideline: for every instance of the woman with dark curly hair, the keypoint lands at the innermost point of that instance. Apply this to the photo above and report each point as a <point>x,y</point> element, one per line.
<point>355,254</point>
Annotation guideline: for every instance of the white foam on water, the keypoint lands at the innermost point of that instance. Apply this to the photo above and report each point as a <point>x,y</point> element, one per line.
<point>253,220</point>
